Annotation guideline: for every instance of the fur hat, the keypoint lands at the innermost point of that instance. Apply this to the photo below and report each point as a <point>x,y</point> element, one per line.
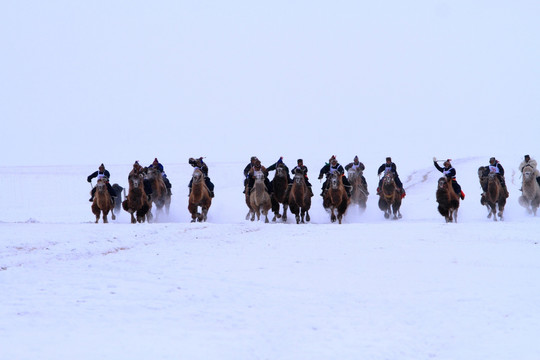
<point>388,158</point>
<point>299,161</point>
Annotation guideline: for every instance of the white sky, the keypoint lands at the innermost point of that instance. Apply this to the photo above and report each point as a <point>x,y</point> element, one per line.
<point>102,81</point>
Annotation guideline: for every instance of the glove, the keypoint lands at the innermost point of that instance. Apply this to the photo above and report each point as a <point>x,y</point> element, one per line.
<point>434,159</point>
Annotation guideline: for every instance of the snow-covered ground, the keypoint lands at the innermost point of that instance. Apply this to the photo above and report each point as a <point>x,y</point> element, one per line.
<point>416,288</point>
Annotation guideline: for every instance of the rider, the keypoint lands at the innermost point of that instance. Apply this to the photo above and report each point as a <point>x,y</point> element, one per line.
<point>289,180</point>
<point>274,166</point>
<point>100,174</point>
<point>246,171</point>
<point>201,165</point>
<point>258,169</point>
<point>301,167</point>
<point>450,173</point>
<point>330,168</point>
<point>389,166</point>
<point>156,164</point>
<point>494,167</point>
<point>356,164</point>
<point>532,163</point>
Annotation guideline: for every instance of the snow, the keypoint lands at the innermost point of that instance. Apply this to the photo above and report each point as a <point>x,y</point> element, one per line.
<point>415,288</point>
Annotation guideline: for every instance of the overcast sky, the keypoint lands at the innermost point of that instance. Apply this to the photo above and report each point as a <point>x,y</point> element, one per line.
<point>85,82</point>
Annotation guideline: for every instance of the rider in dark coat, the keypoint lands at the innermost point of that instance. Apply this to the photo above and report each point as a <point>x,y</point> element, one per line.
<point>246,171</point>
<point>450,173</point>
<point>274,166</point>
<point>330,168</point>
<point>201,165</point>
<point>257,167</point>
<point>356,164</point>
<point>390,166</point>
<point>302,168</point>
<point>494,167</point>
<point>156,164</point>
<point>101,173</point>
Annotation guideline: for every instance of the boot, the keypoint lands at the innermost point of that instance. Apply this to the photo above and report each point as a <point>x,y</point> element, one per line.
<point>462,195</point>
<point>310,191</point>
<point>91,199</point>
<point>403,193</point>
<point>211,194</point>
<point>378,191</point>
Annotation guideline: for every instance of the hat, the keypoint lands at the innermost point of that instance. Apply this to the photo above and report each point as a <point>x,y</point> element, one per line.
<point>333,157</point>
<point>355,157</point>
<point>299,161</point>
<point>253,158</point>
<point>101,165</point>
<point>156,160</point>
<point>388,158</point>
<point>527,156</point>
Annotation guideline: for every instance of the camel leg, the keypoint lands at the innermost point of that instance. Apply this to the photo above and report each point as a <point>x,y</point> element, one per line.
<point>285,207</point>
<point>97,218</point>
<point>133,220</point>
<point>308,218</point>
<point>205,214</point>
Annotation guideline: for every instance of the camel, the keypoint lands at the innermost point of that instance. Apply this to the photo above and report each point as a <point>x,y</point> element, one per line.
<point>335,199</point>
<point>279,196</point>
<point>103,202</point>
<point>448,199</point>
<point>136,201</point>
<point>299,198</point>
<point>530,197</point>
<point>160,196</point>
<point>199,197</point>
<point>359,192</point>
<point>259,199</point>
<point>390,197</point>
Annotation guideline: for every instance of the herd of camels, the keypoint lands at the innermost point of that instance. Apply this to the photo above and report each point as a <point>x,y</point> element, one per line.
<point>296,197</point>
